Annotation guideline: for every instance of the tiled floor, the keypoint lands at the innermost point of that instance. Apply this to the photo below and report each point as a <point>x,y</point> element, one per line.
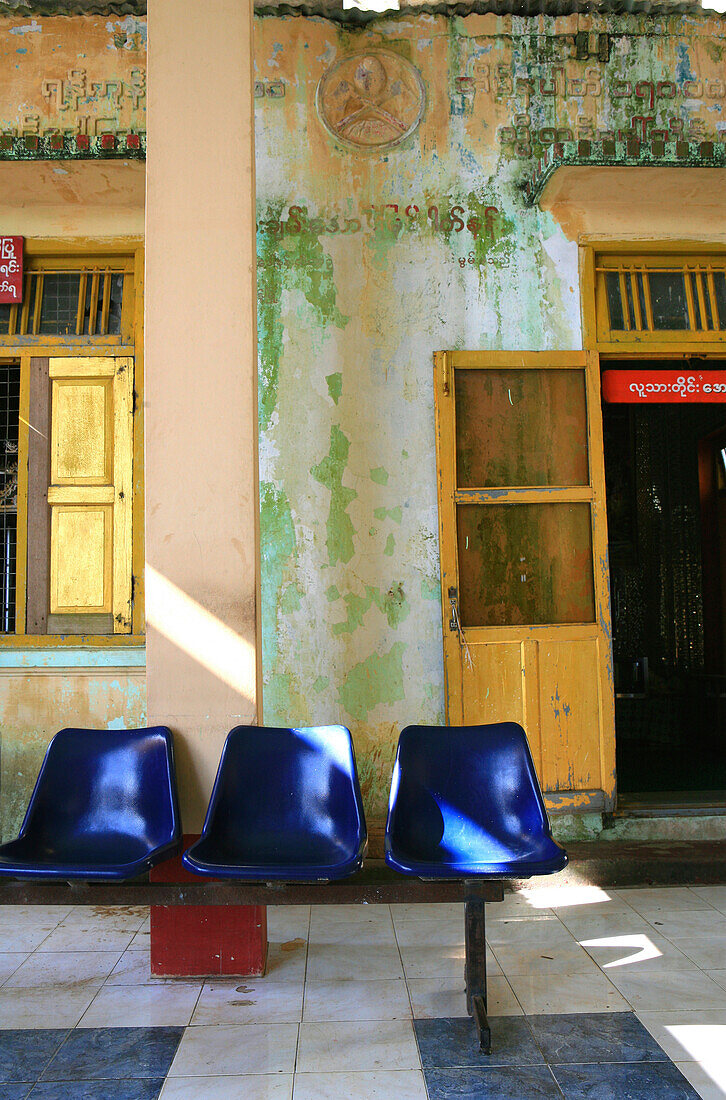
<point>593,995</point>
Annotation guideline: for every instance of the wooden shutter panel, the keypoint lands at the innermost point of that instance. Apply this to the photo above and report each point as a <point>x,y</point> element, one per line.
<point>90,490</point>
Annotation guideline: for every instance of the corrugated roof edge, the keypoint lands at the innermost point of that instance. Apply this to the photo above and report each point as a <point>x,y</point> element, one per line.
<point>72,7</point>
<point>333,9</point>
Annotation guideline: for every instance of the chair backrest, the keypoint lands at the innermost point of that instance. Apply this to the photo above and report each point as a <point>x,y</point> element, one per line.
<point>293,781</point>
<point>106,781</point>
<point>465,781</point>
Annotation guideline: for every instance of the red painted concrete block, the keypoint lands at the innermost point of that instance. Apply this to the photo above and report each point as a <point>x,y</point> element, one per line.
<point>201,940</point>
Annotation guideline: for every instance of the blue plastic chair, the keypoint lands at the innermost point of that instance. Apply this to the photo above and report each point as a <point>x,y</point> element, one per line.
<point>104,806</point>
<point>285,805</point>
<point>465,802</point>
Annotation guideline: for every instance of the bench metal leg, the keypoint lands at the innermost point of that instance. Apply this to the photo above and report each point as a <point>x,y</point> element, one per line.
<point>476,970</point>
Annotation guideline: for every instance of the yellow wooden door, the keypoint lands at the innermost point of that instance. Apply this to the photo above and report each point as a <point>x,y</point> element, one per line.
<point>526,610</point>
<point>90,492</point>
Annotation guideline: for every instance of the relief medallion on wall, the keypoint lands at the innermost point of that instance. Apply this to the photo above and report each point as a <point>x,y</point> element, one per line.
<point>371,100</point>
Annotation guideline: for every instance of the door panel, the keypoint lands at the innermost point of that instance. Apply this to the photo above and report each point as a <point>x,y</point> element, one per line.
<point>493,686</point>
<point>524,558</point>
<point>569,715</point>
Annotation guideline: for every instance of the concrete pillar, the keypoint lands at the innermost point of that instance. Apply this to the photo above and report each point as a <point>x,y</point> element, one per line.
<point>200,366</point>
<point>201,431</point>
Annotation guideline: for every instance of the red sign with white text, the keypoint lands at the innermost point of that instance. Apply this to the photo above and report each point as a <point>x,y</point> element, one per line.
<point>673,387</point>
<point>11,270</point>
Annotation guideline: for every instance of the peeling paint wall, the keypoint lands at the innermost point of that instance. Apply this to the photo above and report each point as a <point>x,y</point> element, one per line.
<point>368,263</point>
<point>83,76</point>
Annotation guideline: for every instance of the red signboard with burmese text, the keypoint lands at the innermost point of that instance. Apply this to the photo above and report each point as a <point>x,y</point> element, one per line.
<point>673,387</point>
<point>11,270</point>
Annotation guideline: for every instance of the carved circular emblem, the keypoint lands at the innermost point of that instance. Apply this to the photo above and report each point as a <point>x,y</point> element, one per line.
<point>371,100</point>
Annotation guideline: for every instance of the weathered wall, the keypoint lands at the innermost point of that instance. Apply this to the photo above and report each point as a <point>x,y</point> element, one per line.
<point>370,261</point>
<point>35,705</point>
<point>83,76</point>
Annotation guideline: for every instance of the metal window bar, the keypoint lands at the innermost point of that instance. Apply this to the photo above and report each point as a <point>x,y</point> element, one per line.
<point>690,302</point>
<point>718,322</point>
<point>702,300</point>
<point>624,299</point>
<point>646,305</point>
<point>68,303</point>
<point>635,299</point>
<point>9,423</point>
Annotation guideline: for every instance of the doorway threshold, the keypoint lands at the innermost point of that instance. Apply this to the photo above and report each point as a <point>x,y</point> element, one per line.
<point>671,804</point>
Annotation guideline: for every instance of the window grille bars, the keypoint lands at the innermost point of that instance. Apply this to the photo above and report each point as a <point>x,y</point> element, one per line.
<point>67,303</point>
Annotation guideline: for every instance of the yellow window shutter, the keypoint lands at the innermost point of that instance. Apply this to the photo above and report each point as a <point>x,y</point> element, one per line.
<point>90,491</point>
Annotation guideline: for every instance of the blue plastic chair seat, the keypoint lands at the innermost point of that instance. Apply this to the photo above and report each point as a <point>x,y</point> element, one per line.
<point>104,806</point>
<point>465,801</point>
<point>285,805</point>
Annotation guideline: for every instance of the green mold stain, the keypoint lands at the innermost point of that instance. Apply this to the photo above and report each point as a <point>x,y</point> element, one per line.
<point>396,514</point>
<point>277,538</point>
<point>290,599</point>
<point>332,594</point>
<point>356,607</point>
<point>335,385</point>
<point>329,473</point>
<point>390,546</point>
<point>378,679</point>
<point>379,475</point>
<point>489,246</point>
<point>285,701</point>
<point>430,589</point>
<point>393,605</point>
<point>296,261</point>
<point>320,684</point>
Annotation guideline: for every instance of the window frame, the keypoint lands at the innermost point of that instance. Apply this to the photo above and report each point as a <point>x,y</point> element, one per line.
<point>68,255</point>
<point>673,343</point>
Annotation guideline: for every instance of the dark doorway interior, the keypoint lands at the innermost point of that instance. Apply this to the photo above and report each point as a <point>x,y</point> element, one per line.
<point>665,477</point>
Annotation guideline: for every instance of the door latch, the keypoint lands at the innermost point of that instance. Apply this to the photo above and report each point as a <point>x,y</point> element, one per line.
<point>454,604</point>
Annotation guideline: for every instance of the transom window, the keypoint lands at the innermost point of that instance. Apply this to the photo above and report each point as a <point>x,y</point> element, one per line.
<point>86,302</point>
<point>647,297</point>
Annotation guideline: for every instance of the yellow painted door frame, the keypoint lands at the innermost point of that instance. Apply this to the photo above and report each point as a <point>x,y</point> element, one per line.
<point>555,678</point>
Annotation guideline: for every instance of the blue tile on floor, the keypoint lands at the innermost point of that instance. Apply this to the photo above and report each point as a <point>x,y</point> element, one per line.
<point>595,1037</point>
<point>453,1042</point>
<point>18,1090</point>
<point>117,1053</point>
<point>24,1053</point>
<point>624,1081</point>
<point>504,1083</point>
<point>148,1089</point>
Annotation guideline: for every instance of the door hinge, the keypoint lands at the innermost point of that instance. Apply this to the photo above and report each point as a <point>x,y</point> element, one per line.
<point>446,374</point>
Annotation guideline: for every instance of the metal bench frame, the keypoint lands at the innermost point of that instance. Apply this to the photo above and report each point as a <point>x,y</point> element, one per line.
<point>374,884</point>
